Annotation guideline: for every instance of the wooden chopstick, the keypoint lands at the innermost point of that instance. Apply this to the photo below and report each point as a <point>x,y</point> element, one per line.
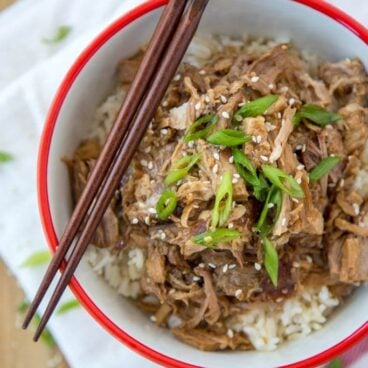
<point>165,28</point>
<point>164,74</point>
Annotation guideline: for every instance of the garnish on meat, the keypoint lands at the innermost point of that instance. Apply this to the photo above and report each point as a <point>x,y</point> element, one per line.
<point>243,192</point>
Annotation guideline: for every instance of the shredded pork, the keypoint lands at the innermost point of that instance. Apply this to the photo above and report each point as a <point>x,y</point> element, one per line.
<point>320,238</point>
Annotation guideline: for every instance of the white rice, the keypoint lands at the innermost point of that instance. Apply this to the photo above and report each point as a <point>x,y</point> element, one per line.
<point>266,325</point>
<point>122,270</point>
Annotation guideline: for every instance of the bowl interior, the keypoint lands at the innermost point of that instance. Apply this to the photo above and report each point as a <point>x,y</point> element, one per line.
<point>279,19</point>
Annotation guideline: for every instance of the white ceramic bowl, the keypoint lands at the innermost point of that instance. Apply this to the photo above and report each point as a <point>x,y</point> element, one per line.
<point>311,25</point>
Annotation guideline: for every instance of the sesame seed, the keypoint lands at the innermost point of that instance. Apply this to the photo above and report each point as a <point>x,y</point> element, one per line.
<point>279,300</point>
<point>223,99</point>
<point>215,169</point>
<point>299,147</point>
<point>269,126</point>
<point>332,155</point>
<point>279,115</point>
<point>153,318</point>
<point>162,235</point>
<point>231,225</point>
<point>295,200</point>
<point>291,101</point>
<point>232,266</point>
<point>230,333</point>
<point>147,149</point>
<point>285,291</point>
<point>231,159</point>
<point>198,106</point>
<point>235,180</point>
<point>191,144</point>
<point>296,264</point>
<point>259,139</point>
<point>201,265</point>
<point>356,208</point>
<point>225,268</point>
<point>238,293</point>
<point>234,204</point>
<point>144,163</point>
<point>284,89</point>
<point>300,167</point>
<point>283,221</point>
<point>342,182</point>
<point>304,147</point>
<point>271,86</point>
<point>196,278</point>
<point>177,77</point>
<point>257,266</point>
<point>164,131</point>
<point>207,99</point>
<point>202,72</point>
<point>254,79</point>
<point>309,259</point>
<point>216,156</point>
<point>236,175</point>
<point>284,47</point>
<point>225,115</point>
<point>299,180</point>
<point>134,221</point>
<point>152,210</point>
<point>264,158</point>
<point>270,205</point>
<point>165,103</point>
<point>172,291</point>
<point>150,165</point>
<point>254,139</point>
<point>212,265</point>
<point>241,104</point>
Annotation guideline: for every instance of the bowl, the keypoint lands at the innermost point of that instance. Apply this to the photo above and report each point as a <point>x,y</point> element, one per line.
<point>312,25</point>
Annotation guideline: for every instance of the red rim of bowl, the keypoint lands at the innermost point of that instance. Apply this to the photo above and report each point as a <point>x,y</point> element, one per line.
<point>42,185</point>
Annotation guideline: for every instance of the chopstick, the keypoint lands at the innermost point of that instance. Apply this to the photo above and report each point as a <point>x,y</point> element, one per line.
<point>161,37</point>
<point>165,72</point>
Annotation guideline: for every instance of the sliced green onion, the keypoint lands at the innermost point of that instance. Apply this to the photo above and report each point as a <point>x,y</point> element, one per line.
<point>166,205</point>
<point>210,239</point>
<point>271,261</point>
<point>255,108</point>
<point>61,33</point>
<point>241,159</point>
<point>228,138</point>
<point>249,174</point>
<point>273,197</point>
<point>316,114</point>
<point>283,181</point>
<point>336,363</point>
<point>324,167</point>
<point>224,201</point>
<point>67,306</point>
<point>206,122</point>
<point>37,259</point>
<point>5,157</point>
<point>181,168</point>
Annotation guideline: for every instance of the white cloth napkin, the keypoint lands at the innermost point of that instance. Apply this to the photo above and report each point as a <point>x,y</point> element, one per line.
<point>29,75</point>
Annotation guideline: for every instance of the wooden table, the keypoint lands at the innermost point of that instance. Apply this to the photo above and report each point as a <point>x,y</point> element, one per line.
<point>17,349</point>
